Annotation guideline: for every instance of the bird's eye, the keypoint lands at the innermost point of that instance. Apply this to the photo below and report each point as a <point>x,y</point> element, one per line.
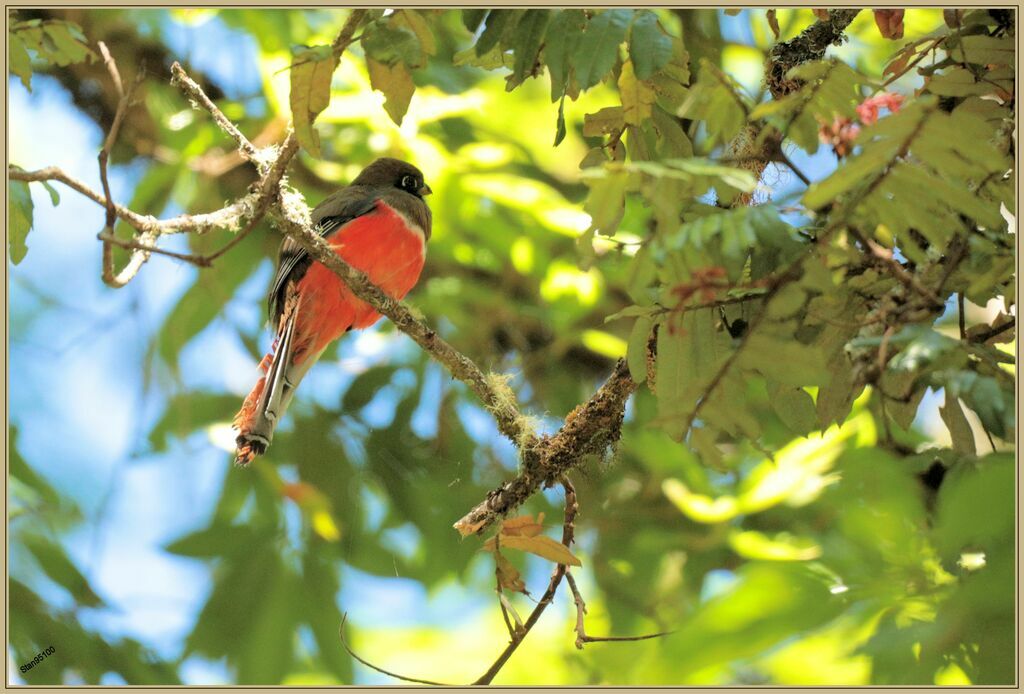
<point>409,182</point>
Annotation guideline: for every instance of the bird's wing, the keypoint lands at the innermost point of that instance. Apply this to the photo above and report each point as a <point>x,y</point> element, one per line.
<point>334,212</point>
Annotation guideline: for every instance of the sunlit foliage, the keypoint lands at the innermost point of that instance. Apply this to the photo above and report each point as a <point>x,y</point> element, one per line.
<point>787,497</point>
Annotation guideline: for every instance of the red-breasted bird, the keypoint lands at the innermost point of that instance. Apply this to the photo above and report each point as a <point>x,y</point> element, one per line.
<point>379,224</point>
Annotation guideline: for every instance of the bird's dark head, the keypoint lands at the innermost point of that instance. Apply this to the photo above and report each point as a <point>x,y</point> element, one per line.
<point>393,172</point>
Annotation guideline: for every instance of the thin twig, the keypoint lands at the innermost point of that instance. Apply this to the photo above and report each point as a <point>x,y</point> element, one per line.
<point>883,257</point>
<point>239,237</point>
<point>581,610</point>
<point>920,56</point>
<point>348,649</point>
<point>180,79</point>
<point>568,536</point>
<point>994,331</point>
<point>225,218</point>
<point>348,30</point>
<point>784,159</point>
<point>197,260</point>
<point>139,256</point>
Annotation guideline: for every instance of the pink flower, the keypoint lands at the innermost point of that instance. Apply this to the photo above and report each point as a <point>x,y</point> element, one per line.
<point>867,110</point>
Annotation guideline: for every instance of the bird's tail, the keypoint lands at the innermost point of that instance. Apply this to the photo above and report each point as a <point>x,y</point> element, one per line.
<point>266,404</point>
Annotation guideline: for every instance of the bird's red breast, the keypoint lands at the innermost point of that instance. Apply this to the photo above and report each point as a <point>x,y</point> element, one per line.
<point>385,245</point>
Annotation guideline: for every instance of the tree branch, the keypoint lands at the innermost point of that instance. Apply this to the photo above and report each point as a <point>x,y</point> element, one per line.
<point>199,99</point>
<point>883,257</point>
<point>994,331</point>
<point>568,537</point>
<point>808,46</point>
<point>588,430</point>
<point>140,255</point>
<point>344,644</point>
<point>227,217</point>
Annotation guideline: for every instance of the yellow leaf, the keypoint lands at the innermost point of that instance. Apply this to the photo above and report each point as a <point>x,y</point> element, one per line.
<point>325,527</point>
<point>637,96</point>
<point>417,24</point>
<point>523,525</point>
<point>310,92</point>
<point>509,577</point>
<point>395,82</point>
<point>542,546</point>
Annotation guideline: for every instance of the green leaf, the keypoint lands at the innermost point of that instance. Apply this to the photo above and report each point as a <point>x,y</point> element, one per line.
<point>606,203</point>
<point>694,351</point>
<point>526,42</point>
<point>19,60</point>
<point>54,195</point>
<point>472,19</point>
<point>850,175</point>
<point>975,508</point>
<point>609,119</point>
<point>416,23</point>
<point>752,544</point>
<point>22,472</point>
<point>598,48</point>
<point>320,579</point>
<point>310,92</point>
<point>190,411</point>
<point>392,43</point>
<point>204,301</point>
<point>767,604</point>
<point>671,373</point>
<point>56,41</point>
<point>952,413</point>
<point>61,570</point>
<point>498,22</point>
<point>560,43</point>
<point>268,644</point>
<point>784,360</point>
<point>364,387</point>
<point>70,48</point>
<point>215,542</point>
<point>636,348</point>
<point>986,50</point>
<point>794,406</point>
<point>673,142</point>
<point>488,61</point>
<point>560,123</point>
<point>395,82</point>
<point>650,48</point>
<point>957,82</point>
<point>19,219</point>
<point>983,394</point>
<point>637,97</point>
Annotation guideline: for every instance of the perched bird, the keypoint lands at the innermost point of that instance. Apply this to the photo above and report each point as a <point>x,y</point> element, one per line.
<point>379,224</point>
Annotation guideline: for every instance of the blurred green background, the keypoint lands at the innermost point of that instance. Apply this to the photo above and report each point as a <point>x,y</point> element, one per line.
<point>142,556</point>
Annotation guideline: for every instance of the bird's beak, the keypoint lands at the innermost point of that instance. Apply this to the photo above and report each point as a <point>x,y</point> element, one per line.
<point>425,190</point>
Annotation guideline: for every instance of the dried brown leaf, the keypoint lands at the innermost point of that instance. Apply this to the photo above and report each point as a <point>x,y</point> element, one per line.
<point>542,546</point>
<point>508,575</point>
<point>773,23</point>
